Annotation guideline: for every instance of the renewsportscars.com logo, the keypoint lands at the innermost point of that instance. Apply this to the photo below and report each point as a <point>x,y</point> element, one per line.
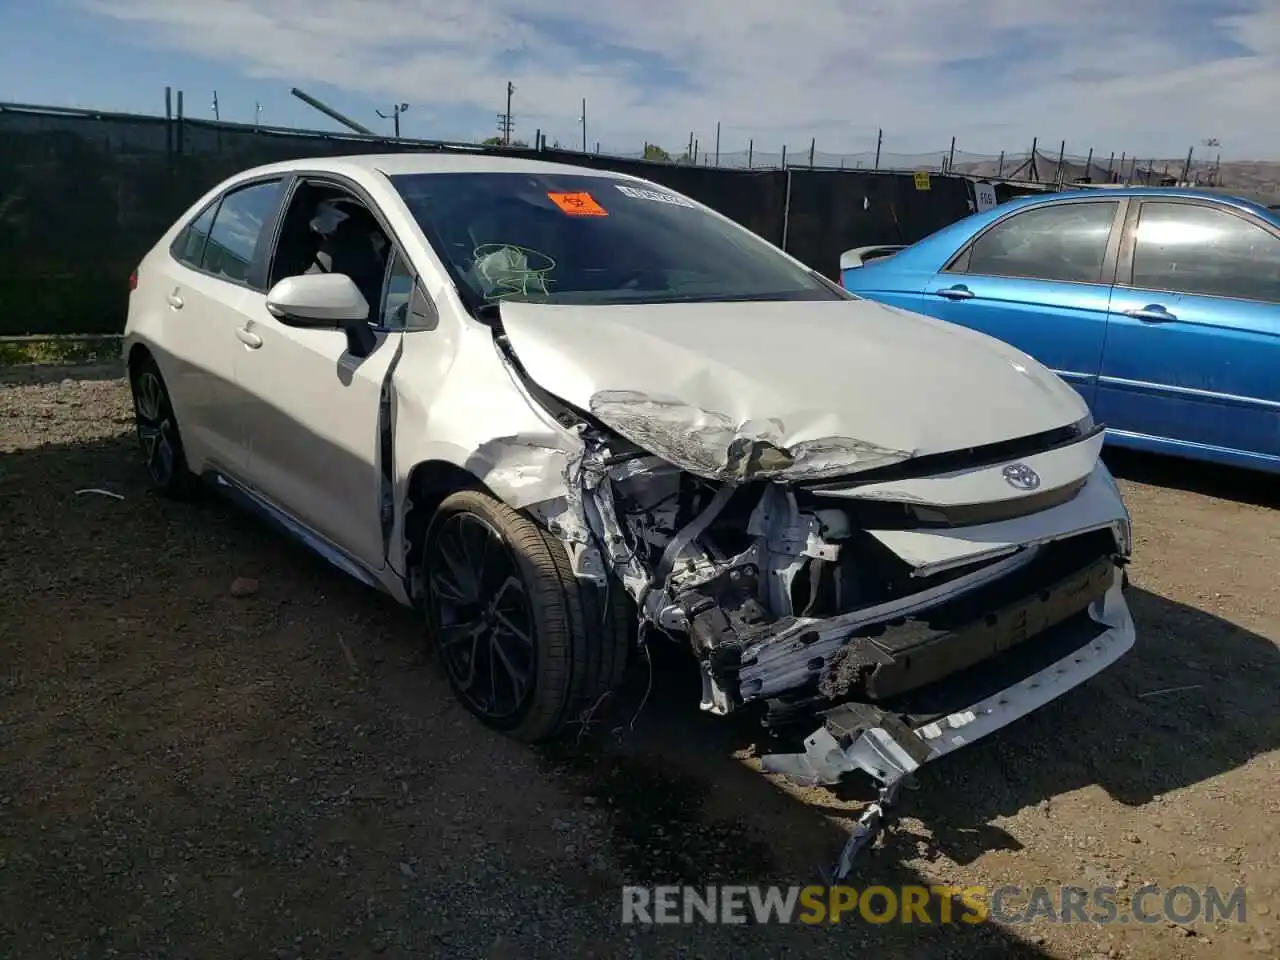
<point>1102,905</point>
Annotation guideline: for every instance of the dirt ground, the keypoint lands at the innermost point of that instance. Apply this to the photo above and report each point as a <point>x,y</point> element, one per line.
<point>189,773</point>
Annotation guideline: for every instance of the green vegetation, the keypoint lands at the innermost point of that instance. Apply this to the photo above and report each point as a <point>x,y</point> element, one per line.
<point>60,350</point>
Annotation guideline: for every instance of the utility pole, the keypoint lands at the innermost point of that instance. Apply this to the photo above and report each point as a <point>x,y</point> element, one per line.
<point>583,120</point>
<point>717,143</point>
<point>394,116</point>
<point>504,129</point>
<point>1208,142</point>
<point>257,114</point>
<point>506,123</point>
<point>879,143</point>
<point>215,106</point>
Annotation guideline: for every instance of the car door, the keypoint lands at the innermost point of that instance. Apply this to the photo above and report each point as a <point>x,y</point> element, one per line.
<point>211,259</point>
<point>1192,354</point>
<point>312,420</point>
<point>1040,279</point>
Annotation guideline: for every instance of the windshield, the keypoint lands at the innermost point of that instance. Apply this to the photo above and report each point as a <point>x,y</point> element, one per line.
<point>593,239</point>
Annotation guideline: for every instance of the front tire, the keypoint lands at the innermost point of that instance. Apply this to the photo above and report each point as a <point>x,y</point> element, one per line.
<point>527,648</point>
<point>157,427</point>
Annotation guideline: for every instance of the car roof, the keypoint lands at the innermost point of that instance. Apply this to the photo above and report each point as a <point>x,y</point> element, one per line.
<point>427,162</point>
<point>1110,192</point>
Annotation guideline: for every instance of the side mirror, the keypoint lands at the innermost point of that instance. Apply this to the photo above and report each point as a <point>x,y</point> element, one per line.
<point>324,301</point>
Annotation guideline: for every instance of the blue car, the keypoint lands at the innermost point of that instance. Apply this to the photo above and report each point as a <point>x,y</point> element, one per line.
<point>1160,306</point>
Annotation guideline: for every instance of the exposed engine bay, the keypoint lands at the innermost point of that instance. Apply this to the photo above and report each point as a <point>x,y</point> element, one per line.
<point>910,570</point>
<point>794,598</point>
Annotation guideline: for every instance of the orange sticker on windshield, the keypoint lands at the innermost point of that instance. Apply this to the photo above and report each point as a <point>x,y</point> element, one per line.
<point>578,204</point>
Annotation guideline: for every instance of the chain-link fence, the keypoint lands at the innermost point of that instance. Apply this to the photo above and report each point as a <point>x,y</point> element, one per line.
<point>84,194</point>
<point>1034,164</point>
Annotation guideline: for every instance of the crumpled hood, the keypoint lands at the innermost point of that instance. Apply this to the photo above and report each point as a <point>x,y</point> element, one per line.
<point>786,390</point>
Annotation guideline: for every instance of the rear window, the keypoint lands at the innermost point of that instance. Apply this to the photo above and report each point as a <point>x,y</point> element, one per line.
<point>594,239</point>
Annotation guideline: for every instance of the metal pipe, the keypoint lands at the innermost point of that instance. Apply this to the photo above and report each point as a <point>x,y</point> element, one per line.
<point>328,111</point>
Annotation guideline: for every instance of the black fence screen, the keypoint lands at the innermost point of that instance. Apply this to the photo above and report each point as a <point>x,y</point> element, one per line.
<point>84,196</point>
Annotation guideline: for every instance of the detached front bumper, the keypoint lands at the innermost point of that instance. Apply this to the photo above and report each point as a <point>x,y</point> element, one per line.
<point>890,740</point>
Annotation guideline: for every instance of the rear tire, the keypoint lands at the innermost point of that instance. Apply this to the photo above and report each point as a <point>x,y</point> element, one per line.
<point>158,436</point>
<point>527,648</point>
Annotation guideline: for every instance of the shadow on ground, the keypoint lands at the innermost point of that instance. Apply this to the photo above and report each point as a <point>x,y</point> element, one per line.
<point>1190,702</point>
<point>317,682</point>
<point>187,770</point>
<point>1208,479</point>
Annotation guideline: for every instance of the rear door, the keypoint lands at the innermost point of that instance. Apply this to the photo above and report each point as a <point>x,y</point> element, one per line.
<point>1193,345</point>
<point>208,275</point>
<point>1040,279</point>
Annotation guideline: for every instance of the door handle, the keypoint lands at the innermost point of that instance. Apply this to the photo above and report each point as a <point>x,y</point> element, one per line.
<point>175,301</point>
<point>248,338</point>
<point>1154,313</point>
<point>958,292</point>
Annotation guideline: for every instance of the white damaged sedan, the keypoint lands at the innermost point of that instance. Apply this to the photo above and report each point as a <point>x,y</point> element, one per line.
<point>566,412</point>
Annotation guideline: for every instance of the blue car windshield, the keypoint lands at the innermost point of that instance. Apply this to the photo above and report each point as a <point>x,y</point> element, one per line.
<point>593,239</point>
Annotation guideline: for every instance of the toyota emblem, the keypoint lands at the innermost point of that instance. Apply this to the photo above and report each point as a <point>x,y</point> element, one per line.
<point>1020,476</point>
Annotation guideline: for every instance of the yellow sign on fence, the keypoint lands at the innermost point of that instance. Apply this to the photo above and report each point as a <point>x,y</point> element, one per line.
<point>922,181</point>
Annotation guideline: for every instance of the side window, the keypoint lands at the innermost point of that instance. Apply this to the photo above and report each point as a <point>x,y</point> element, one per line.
<point>1064,241</point>
<point>326,229</point>
<point>1187,248</point>
<point>237,228</point>
<point>396,293</point>
<point>188,246</point>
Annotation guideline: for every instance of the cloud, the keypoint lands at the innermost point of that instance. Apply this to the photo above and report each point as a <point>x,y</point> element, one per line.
<point>1150,76</point>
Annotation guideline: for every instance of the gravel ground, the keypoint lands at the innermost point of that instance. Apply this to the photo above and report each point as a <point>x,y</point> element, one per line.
<point>186,772</point>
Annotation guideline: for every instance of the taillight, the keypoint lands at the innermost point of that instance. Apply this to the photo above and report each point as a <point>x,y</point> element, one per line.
<point>133,281</point>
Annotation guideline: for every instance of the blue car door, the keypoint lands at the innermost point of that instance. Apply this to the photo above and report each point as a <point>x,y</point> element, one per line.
<point>1192,358</point>
<point>1040,279</point>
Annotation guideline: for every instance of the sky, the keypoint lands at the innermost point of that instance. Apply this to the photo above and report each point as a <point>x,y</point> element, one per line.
<point>1152,77</point>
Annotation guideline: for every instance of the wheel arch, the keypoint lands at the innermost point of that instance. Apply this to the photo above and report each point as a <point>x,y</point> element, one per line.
<point>428,483</point>
<point>137,352</point>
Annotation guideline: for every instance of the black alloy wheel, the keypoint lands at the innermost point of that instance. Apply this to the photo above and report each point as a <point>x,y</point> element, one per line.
<point>485,631</point>
<point>157,429</point>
